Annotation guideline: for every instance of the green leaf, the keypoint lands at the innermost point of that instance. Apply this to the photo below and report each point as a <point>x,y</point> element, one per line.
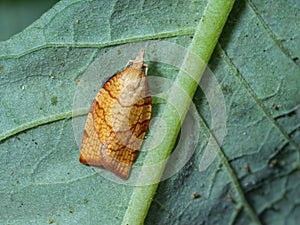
<point>255,173</point>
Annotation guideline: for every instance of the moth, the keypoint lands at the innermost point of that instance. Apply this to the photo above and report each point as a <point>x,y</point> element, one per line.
<point>118,120</point>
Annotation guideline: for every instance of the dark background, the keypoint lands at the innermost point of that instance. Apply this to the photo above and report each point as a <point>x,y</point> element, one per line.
<point>15,15</point>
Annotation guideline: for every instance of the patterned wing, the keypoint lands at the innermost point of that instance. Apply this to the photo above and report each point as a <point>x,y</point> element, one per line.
<point>91,144</point>
<point>118,120</point>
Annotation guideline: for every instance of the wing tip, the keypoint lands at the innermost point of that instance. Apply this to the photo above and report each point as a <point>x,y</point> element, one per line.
<point>121,172</point>
<point>89,161</point>
<point>82,159</point>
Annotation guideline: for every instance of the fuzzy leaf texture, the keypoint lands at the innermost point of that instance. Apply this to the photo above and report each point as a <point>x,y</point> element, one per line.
<point>256,63</point>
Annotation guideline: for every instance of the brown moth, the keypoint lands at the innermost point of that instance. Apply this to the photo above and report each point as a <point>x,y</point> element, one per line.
<point>118,120</point>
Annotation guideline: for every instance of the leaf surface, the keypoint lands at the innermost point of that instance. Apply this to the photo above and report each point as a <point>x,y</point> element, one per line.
<point>256,63</point>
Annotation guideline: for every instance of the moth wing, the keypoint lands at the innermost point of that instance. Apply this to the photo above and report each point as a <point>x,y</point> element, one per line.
<point>113,133</point>
<point>117,159</point>
<point>91,144</point>
<point>121,148</point>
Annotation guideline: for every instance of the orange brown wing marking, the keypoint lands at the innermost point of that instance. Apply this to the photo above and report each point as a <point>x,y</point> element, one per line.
<point>89,153</point>
<point>118,119</point>
<point>118,158</point>
<point>128,121</point>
